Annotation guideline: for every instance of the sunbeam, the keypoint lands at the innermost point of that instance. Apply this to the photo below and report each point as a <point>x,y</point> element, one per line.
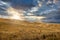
<point>15,14</point>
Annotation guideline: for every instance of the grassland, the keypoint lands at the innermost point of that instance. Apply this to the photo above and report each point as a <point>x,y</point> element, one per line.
<point>23,30</point>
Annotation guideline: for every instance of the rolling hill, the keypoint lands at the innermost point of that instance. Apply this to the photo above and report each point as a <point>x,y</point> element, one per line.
<point>23,30</point>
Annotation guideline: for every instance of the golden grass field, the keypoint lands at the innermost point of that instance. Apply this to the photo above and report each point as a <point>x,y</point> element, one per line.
<point>23,30</point>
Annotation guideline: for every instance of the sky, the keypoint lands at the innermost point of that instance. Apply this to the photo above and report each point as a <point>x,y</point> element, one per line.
<point>39,9</point>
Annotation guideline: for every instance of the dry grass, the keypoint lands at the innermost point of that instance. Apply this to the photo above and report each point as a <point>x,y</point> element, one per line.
<point>22,30</point>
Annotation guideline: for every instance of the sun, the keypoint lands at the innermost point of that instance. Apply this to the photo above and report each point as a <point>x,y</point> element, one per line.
<point>15,17</point>
<point>15,14</point>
